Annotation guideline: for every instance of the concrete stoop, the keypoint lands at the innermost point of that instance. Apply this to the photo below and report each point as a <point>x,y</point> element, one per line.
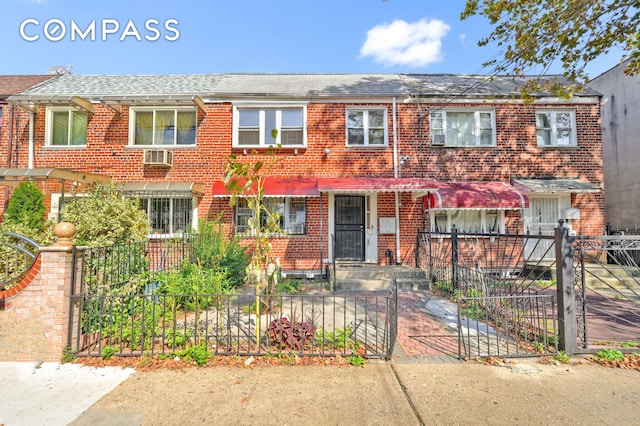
<point>363,277</point>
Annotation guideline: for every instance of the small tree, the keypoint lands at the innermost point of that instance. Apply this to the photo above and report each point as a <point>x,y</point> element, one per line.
<point>246,179</point>
<point>105,217</point>
<point>26,207</point>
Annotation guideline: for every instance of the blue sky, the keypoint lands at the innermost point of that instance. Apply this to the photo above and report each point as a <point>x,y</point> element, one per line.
<point>272,36</point>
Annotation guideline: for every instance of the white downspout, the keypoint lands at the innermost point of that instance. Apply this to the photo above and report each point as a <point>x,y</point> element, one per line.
<point>31,143</point>
<point>396,175</point>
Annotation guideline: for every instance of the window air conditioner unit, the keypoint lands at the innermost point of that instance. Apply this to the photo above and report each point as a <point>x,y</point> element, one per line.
<point>437,140</point>
<point>158,157</point>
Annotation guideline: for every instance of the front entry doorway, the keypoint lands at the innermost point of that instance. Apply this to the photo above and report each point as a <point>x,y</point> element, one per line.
<point>350,227</point>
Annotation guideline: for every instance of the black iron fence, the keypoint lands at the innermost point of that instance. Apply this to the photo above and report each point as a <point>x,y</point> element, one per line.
<point>118,302</point>
<point>507,326</point>
<point>235,324</point>
<point>17,254</point>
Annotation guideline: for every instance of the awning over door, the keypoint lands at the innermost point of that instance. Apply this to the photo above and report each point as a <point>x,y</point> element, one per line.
<point>551,185</point>
<point>277,187</point>
<point>417,186</point>
<point>477,195</point>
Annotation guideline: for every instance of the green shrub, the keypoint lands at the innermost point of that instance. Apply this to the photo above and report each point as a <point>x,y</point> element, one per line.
<point>26,207</point>
<point>105,217</point>
<point>214,250</point>
<point>610,355</point>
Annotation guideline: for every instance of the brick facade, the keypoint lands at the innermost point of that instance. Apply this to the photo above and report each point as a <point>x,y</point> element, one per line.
<point>516,154</point>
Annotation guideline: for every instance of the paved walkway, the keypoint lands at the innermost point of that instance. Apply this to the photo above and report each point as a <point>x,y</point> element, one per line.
<point>426,329</point>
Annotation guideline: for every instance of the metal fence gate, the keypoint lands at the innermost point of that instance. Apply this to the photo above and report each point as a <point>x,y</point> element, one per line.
<point>607,279</point>
<point>504,289</point>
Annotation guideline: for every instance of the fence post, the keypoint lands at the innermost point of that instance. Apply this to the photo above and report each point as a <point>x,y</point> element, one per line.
<point>454,257</point>
<point>567,326</point>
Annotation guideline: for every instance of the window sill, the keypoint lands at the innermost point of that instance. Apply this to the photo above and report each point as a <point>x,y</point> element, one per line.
<point>464,146</point>
<point>135,147</point>
<point>560,147</point>
<point>55,147</point>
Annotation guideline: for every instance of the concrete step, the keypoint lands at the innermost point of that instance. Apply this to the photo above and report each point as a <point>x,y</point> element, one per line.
<point>611,271</point>
<point>354,284</point>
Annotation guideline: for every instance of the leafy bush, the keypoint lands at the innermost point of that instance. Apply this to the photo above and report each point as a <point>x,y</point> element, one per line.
<point>26,207</point>
<point>288,335</point>
<point>198,354</point>
<point>194,280</point>
<point>609,355</point>
<point>214,250</point>
<point>338,339</point>
<point>105,217</point>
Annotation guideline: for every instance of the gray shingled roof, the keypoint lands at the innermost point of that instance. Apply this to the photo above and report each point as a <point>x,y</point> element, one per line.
<point>310,85</point>
<point>125,85</point>
<point>280,85</point>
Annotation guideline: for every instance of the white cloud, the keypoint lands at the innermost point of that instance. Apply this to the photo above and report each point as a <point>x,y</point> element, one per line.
<point>415,44</point>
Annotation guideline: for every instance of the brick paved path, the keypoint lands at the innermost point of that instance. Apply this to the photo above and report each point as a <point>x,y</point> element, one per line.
<point>421,337</point>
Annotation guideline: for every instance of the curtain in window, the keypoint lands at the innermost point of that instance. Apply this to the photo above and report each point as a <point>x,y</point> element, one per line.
<point>460,128</point>
<point>60,131</point>
<point>144,128</point>
<point>165,128</point>
<point>78,128</point>
<point>186,128</point>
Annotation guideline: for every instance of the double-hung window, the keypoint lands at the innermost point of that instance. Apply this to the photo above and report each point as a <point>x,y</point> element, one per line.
<point>66,126</point>
<point>268,126</point>
<point>290,214</point>
<point>163,126</point>
<point>366,127</point>
<point>463,128</point>
<point>168,215</point>
<point>467,220</point>
<point>556,128</point>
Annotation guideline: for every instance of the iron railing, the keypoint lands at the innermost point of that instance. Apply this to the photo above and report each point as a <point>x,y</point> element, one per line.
<point>227,324</point>
<point>17,255</point>
<point>507,326</point>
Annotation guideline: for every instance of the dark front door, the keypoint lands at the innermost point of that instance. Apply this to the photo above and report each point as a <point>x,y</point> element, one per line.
<point>349,227</point>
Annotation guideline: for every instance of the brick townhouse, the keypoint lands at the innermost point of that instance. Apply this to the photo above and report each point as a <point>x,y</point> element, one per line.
<point>366,160</point>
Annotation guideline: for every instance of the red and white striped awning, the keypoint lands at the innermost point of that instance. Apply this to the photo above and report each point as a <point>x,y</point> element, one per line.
<point>477,195</point>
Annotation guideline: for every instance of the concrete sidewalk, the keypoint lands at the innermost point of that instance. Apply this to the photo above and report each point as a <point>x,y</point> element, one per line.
<point>423,384</point>
<point>524,393</point>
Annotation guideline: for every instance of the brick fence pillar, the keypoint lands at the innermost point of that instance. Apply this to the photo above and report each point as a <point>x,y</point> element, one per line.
<point>34,326</point>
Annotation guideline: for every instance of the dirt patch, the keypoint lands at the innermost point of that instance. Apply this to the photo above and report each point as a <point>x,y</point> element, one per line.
<point>145,363</point>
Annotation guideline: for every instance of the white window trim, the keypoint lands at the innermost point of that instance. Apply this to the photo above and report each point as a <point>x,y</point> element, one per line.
<point>483,219</point>
<point>366,110</point>
<point>172,198</point>
<point>263,136</point>
<point>287,213</point>
<point>48,133</point>
<point>132,125</point>
<point>477,128</point>
<point>554,128</point>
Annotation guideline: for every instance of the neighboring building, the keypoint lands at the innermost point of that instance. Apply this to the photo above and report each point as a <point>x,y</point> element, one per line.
<point>12,123</point>
<point>366,160</point>
<point>620,145</point>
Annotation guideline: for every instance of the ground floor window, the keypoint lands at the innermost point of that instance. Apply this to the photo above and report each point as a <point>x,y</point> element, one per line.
<point>290,214</point>
<point>168,215</point>
<point>466,220</point>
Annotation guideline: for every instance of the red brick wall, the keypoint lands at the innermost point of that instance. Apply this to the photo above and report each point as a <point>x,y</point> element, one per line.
<point>516,155</point>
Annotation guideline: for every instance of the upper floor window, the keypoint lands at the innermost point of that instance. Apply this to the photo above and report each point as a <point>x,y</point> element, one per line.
<point>366,127</point>
<point>463,128</point>
<point>66,126</point>
<point>556,128</point>
<point>289,212</point>
<point>163,126</point>
<point>263,127</point>
<point>467,220</point>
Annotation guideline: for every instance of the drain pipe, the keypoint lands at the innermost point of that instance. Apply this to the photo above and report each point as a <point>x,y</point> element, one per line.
<point>396,174</point>
<point>31,142</point>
